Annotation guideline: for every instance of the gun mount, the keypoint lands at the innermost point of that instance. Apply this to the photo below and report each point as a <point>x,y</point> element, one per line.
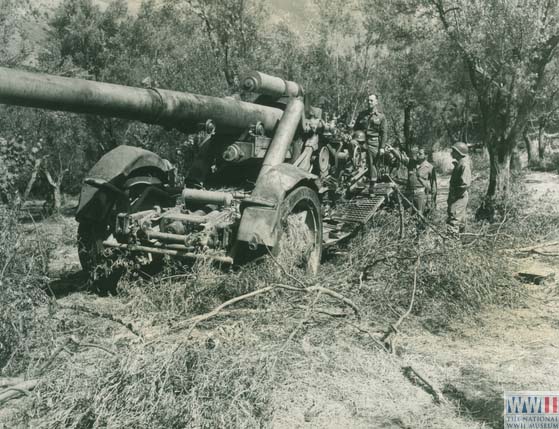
<point>262,166</point>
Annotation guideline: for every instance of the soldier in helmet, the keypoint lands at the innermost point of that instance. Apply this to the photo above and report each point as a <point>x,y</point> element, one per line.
<point>359,145</point>
<point>359,139</point>
<point>460,182</point>
<point>373,122</point>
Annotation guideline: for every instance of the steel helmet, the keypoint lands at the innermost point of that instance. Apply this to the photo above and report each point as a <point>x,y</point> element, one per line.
<point>461,148</point>
<point>359,136</point>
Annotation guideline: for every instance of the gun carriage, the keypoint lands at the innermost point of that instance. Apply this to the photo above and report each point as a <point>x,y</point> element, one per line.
<point>261,167</point>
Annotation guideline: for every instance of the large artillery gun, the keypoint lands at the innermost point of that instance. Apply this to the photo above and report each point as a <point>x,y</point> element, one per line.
<point>270,175</point>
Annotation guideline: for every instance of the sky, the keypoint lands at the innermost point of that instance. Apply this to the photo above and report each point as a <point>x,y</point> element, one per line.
<point>297,11</point>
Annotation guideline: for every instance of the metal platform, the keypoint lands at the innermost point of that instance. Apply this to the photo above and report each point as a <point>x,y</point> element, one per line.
<point>348,218</point>
<point>359,210</point>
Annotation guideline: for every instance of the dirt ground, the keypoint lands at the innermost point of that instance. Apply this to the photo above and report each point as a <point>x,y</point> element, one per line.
<point>341,381</point>
<point>472,364</point>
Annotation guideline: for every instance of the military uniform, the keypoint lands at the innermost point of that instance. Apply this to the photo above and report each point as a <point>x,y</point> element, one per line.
<point>373,122</point>
<point>415,190</point>
<point>428,178</point>
<point>460,182</point>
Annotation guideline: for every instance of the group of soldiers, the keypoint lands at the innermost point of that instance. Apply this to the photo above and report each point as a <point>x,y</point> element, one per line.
<point>420,182</point>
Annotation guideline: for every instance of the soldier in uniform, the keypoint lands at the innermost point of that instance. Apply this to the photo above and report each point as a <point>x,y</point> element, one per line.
<point>415,190</point>
<point>373,122</point>
<point>428,178</point>
<point>420,180</point>
<point>460,182</point>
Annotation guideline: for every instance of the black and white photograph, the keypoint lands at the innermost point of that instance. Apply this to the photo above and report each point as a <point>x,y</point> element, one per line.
<point>279,214</point>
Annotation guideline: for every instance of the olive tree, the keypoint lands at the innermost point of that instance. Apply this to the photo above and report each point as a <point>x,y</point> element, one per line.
<point>506,47</point>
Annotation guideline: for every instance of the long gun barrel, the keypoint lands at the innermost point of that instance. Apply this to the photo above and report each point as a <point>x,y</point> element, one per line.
<point>173,109</point>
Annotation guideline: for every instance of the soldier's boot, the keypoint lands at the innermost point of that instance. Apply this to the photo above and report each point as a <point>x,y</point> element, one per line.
<point>373,178</point>
<point>452,231</point>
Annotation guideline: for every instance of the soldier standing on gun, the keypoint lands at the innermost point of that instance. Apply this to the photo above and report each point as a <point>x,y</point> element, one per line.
<point>460,182</point>
<point>373,122</point>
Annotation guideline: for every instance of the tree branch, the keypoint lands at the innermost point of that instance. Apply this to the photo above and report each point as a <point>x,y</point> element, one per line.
<point>389,336</point>
<point>18,390</point>
<point>50,179</point>
<point>203,317</point>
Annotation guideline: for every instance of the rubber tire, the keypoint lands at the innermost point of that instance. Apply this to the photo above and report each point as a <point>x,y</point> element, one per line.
<point>91,254</point>
<point>304,197</point>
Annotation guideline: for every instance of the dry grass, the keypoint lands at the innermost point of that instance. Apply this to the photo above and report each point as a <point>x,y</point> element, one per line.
<point>453,280</point>
<point>159,386</point>
<point>295,244</point>
<point>250,365</point>
<point>23,267</point>
<point>340,383</point>
<point>549,163</point>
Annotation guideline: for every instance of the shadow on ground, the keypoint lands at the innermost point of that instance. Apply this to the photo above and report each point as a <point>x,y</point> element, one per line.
<point>67,284</point>
<point>477,399</point>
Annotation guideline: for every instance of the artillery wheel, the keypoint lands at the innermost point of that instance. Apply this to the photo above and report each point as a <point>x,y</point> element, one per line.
<point>300,236</point>
<point>93,259</point>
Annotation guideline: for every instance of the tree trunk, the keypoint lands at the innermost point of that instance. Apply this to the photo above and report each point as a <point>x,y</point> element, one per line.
<point>57,198</point>
<point>515,163</point>
<point>528,144</point>
<point>56,194</point>
<point>499,171</point>
<point>541,141</point>
<point>407,127</point>
<point>465,119</point>
<point>32,179</point>
<point>500,155</point>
